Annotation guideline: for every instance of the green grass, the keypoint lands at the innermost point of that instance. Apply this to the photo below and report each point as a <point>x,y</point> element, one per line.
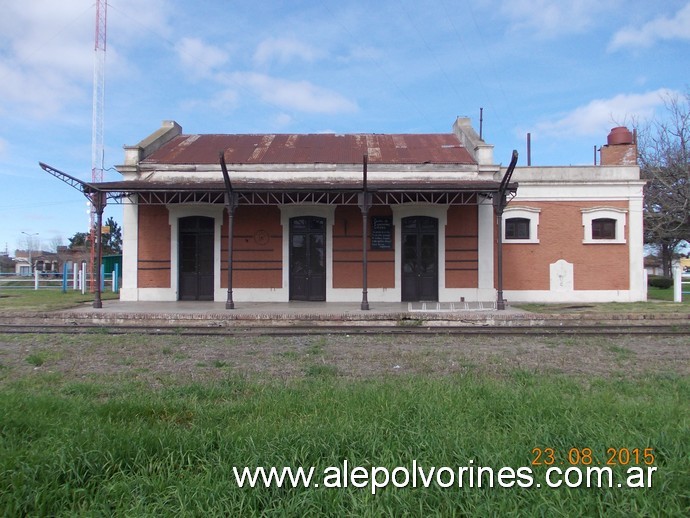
<point>97,448</point>
<point>45,300</point>
<point>659,301</point>
<point>664,294</point>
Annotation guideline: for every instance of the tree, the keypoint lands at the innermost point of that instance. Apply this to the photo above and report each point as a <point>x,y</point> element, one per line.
<point>112,241</point>
<point>79,240</point>
<point>54,243</point>
<point>664,159</point>
<point>6,263</point>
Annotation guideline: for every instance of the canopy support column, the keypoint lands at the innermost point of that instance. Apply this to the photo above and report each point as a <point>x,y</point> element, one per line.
<point>98,199</point>
<point>231,201</point>
<point>500,202</point>
<point>364,205</point>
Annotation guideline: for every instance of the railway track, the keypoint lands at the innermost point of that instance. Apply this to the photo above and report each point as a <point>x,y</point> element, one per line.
<point>349,329</point>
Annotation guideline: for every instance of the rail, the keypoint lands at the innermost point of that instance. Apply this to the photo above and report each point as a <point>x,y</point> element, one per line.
<point>351,330</point>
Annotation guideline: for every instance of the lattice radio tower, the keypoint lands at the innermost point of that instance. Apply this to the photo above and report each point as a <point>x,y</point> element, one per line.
<point>97,148</point>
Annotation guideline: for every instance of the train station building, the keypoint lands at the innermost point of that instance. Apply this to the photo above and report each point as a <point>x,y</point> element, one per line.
<point>380,217</point>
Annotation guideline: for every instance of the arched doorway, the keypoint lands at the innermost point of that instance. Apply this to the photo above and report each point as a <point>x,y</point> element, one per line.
<point>308,258</point>
<point>196,258</point>
<point>419,258</point>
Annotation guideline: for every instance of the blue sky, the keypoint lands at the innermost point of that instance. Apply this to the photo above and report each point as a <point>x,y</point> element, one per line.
<point>564,71</point>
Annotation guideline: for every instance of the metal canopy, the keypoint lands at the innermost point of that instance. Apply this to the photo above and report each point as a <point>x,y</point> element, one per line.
<point>99,199</point>
<point>304,198</point>
<point>387,193</point>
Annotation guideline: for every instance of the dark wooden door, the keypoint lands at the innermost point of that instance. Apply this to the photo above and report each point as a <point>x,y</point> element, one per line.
<point>419,259</point>
<point>308,258</point>
<point>196,258</point>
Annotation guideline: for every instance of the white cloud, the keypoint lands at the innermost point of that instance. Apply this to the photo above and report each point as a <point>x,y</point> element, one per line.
<point>133,20</point>
<point>47,53</point>
<point>284,50</point>
<point>3,147</point>
<point>282,120</point>
<point>294,95</point>
<point>597,117</point>
<point>550,18</point>
<point>225,100</point>
<point>660,28</point>
<point>200,58</point>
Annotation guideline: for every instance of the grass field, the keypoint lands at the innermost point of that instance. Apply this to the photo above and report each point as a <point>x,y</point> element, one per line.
<point>658,301</point>
<point>95,425</point>
<point>46,299</point>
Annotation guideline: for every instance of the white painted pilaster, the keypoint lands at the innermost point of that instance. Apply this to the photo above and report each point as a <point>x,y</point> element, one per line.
<point>638,281</point>
<point>485,241</point>
<point>130,249</point>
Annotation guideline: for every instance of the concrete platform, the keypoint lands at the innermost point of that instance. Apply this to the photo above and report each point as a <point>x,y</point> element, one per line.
<point>244,309</point>
<point>214,314</point>
<point>114,310</point>
<point>261,314</point>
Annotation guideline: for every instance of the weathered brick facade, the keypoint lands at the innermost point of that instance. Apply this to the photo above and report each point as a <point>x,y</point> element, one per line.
<point>153,270</point>
<point>449,182</point>
<point>596,266</point>
<point>257,248</point>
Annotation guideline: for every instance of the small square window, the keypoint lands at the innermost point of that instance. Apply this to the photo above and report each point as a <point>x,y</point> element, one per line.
<point>517,228</point>
<point>604,228</point>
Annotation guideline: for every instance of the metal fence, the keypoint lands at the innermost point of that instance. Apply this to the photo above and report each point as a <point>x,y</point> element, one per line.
<point>75,278</point>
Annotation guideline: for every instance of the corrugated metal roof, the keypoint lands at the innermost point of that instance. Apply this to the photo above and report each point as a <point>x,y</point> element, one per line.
<point>437,148</point>
<point>243,185</point>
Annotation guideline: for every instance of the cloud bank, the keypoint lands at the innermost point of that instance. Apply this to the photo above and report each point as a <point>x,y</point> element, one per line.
<point>676,27</point>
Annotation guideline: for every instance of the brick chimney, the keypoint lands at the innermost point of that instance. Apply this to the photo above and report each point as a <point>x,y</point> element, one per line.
<point>621,148</point>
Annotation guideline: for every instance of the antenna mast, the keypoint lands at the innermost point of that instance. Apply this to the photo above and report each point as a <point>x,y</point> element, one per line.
<point>97,148</point>
<point>98,92</point>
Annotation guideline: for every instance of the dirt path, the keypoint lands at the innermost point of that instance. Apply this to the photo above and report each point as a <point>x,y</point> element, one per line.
<point>162,360</point>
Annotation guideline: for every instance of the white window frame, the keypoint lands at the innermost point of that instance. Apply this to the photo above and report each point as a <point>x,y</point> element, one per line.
<point>530,213</point>
<point>590,214</point>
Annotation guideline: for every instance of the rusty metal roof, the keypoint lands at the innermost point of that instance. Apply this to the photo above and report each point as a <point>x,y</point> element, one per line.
<point>243,185</point>
<point>438,148</point>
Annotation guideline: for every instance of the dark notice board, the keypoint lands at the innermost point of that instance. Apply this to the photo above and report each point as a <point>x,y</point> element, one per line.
<point>381,233</point>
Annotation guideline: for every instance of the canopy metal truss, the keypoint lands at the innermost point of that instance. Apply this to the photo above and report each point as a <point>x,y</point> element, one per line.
<point>87,189</point>
<point>287,197</point>
<point>99,199</point>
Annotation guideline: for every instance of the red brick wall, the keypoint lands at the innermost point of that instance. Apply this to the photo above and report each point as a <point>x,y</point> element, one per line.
<point>347,251</point>
<point>622,154</point>
<point>595,267</point>
<point>153,265</point>
<point>257,248</point>
<point>462,247</point>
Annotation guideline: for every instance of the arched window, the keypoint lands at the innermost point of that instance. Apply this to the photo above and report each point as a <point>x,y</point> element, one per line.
<point>604,228</point>
<point>521,224</point>
<point>603,225</point>
<point>517,228</point>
